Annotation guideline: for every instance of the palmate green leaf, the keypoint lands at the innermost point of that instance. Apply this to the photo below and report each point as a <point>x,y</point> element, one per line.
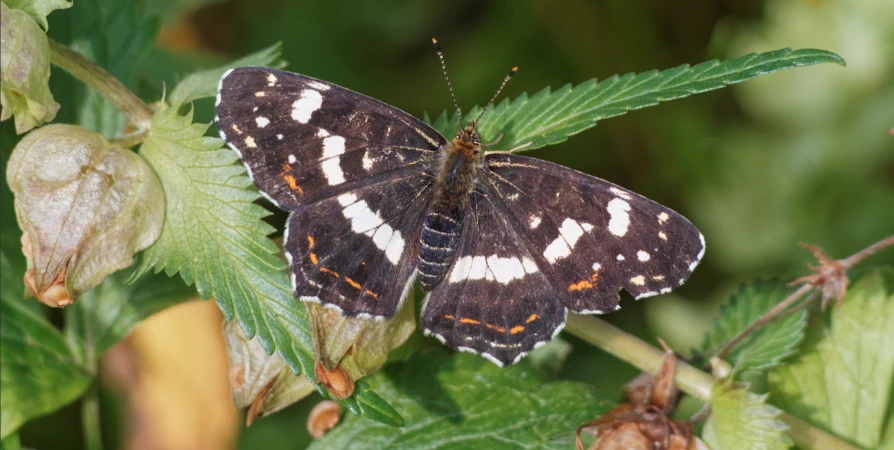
<point>766,347</point>
<point>38,372</point>
<point>464,402</point>
<point>204,83</point>
<point>108,312</point>
<point>550,117</point>
<point>741,420</point>
<point>38,9</point>
<point>214,236</point>
<point>842,379</point>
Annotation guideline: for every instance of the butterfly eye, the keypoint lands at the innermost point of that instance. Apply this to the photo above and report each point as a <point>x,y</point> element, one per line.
<point>459,134</point>
<point>476,140</point>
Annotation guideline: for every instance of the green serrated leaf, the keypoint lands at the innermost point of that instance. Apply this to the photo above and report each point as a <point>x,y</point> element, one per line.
<point>766,347</point>
<point>462,401</point>
<point>108,312</point>
<point>741,420</point>
<point>38,372</point>
<point>214,236</point>
<point>24,71</point>
<point>550,117</point>
<point>204,84</point>
<point>38,9</point>
<point>842,380</point>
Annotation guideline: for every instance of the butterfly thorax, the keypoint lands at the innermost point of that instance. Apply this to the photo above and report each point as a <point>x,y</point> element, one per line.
<point>442,227</point>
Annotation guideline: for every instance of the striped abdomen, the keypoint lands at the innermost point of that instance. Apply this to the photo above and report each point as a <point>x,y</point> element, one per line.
<point>438,242</point>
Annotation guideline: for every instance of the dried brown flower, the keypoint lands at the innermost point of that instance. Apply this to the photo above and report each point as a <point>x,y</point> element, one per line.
<point>323,417</point>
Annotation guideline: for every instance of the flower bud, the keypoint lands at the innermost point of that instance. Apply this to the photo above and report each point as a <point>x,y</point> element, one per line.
<point>85,206</point>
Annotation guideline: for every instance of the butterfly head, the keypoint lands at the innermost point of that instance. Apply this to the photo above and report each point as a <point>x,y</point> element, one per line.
<point>468,136</point>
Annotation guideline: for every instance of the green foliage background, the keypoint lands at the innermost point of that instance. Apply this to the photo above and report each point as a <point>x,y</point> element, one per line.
<point>797,156</point>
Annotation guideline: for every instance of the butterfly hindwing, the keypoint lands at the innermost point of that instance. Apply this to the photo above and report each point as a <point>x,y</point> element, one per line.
<point>357,251</point>
<point>494,301</point>
<point>590,237</point>
<point>303,139</point>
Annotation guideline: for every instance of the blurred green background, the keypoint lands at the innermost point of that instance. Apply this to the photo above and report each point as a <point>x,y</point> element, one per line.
<point>800,156</point>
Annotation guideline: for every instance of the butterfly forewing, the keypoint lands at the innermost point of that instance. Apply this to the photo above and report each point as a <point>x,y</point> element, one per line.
<point>494,301</point>
<point>590,237</point>
<point>303,139</point>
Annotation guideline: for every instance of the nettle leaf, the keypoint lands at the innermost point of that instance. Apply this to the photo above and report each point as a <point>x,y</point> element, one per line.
<point>766,347</point>
<point>214,236</point>
<point>842,379</point>
<point>24,71</point>
<point>203,84</point>
<point>85,205</point>
<point>38,372</point>
<point>742,420</point>
<point>108,312</point>
<point>550,117</point>
<point>463,401</point>
<point>38,9</point>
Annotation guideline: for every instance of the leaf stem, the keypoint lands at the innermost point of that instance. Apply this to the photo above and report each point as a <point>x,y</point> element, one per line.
<point>90,418</point>
<point>136,111</point>
<point>688,378</point>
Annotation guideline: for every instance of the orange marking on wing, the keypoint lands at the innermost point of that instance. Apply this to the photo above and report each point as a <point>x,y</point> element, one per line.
<point>580,285</point>
<point>450,317</point>
<point>468,320</point>
<point>353,283</point>
<point>595,277</point>
<point>373,294</point>
<point>313,258</point>
<point>293,184</point>
<point>532,318</point>
<point>495,328</point>
<point>310,242</point>
<point>516,329</point>
<point>325,270</point>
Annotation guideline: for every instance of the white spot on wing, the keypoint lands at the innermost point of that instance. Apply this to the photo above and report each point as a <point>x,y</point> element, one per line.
<point>638,280</point>
<point>347,199</point>
<point>332,171</point>
<point>620,193</point>
<point>620,220</point>
<point>279,136</point>
<point>333,146</point>
<point>262,121</point>
<point>365,220</point>
<point>292,159</point>
<point>597,267</point>
<point>318,85</point>
<point>271,79</point>
<point>534,222</point>
<point>663,217</point>
<point>308,102</point>
<point>662,235</point>
<point>367,161</point>
<point>643,256</point>
<point>530,266</point>
<point>620,257</point>
<point>250,142</point>
<point>569,233</point>
<point>322,133</point>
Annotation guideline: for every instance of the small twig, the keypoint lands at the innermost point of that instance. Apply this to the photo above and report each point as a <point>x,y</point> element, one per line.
<point>829,278</point>
<point>131,140</point>
<point>136,111</point>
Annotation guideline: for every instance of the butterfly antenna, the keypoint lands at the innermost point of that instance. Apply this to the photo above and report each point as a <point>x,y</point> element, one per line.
<point>491,102</point>
<point>444,69</point>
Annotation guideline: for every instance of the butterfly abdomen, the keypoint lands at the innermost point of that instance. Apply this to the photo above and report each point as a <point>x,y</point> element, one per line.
<point>443,223</point>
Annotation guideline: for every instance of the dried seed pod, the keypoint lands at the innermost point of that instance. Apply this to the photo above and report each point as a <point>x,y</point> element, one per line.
<point>358,345</point>
<point>85,206</point>
<point>262,382</point>
<point>643,423</point>
<point>323,417</point>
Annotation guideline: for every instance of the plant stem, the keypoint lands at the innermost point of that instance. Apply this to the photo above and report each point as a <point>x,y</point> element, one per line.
<point>90,418</point>
<point>136,111</point>
<point>689,379</point>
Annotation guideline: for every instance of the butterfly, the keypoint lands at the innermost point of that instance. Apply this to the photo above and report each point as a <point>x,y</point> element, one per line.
<point>503,245</point>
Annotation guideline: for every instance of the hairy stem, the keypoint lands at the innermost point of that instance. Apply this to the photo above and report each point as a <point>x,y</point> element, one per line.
<point>689,379</point>
<point>136,111</point>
